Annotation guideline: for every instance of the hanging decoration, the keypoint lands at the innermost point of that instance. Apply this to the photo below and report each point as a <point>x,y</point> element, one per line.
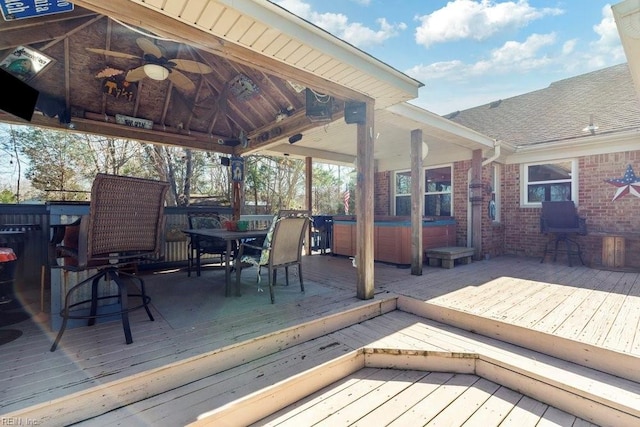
<point>243,88</point>
<point>25,62</point>
<point>114,84</point>
<point>628,184</point>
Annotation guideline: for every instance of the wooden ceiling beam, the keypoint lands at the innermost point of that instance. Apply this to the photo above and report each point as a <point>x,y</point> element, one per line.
<point>84,125</point>
<point>33,23</point>
<point>296,123</point>
<point>30,35</point>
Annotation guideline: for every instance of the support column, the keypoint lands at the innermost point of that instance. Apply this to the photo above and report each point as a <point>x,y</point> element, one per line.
<point>417,202</point>
<point>475,196</point>
<point>364,205</point>
<point>308,199</point>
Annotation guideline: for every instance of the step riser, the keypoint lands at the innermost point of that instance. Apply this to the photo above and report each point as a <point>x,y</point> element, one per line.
<point>608,361</point>
<point>579,405</point>
<point>92,403</point>
<point>259,405</point>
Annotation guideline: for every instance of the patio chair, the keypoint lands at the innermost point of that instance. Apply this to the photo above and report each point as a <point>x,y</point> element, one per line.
<point>561,220</point>
<point>282,247</point>
<point>203,245</point>
<point>125,225</point>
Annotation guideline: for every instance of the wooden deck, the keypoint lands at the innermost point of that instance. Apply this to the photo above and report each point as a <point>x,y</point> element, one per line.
<point>197,358</point>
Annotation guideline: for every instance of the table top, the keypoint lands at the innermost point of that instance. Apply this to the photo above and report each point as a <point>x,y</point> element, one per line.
<point>225,234</point>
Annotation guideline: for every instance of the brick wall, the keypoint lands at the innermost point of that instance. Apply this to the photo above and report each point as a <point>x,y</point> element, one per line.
<point>604,217</point>
<point>382,193</point>
<point>460,200</point>
<point>518,232</point>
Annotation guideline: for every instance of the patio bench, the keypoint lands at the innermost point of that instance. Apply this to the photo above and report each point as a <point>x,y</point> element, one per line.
<point>446,256</point>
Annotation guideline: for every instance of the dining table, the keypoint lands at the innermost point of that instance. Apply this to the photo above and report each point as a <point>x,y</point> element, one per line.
<point>229,237</point>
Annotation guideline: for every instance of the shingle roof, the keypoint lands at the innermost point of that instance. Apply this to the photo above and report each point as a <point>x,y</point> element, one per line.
<point>561,111</point>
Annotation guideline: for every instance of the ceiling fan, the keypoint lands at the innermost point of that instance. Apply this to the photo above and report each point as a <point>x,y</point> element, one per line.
<point>157,67</point>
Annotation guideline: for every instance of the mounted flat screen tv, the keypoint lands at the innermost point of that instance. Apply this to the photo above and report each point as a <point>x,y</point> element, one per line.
<point>23,100</point>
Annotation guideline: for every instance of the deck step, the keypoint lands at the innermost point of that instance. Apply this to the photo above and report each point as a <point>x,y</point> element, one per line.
<point>602,359</point>
<point>90,403</point>
<point>401,340</point>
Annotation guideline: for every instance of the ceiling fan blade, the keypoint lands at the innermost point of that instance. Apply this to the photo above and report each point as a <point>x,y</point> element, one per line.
<point>181,81</point>
<point>135,75</point>
<point>112,53</point>
<point>191,66</point>
<point>148,47</point>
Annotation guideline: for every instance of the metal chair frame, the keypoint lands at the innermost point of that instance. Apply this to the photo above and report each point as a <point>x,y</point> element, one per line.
<point>125,225</point>
<point>201,245</point>
<point>282,248</point>
<point>560,218</point>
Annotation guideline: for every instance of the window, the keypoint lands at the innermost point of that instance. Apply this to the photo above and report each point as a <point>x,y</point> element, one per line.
<point>438,191</point>
<point>549,182</point>
<point>494,203</point>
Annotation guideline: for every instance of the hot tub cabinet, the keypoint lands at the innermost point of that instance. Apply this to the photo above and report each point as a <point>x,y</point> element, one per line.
<point>392,236</point>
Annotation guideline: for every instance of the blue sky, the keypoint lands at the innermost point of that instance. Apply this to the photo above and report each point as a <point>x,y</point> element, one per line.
<point>471,52</point>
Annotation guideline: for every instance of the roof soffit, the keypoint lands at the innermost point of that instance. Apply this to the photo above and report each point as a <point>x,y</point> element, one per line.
<point>627,18</point>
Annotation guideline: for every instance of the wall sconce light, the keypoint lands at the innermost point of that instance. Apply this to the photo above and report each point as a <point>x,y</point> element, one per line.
<point>295,138</point>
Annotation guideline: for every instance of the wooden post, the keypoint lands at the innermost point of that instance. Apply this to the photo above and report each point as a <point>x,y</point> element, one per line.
<point>237,190</point>
<point>417,202</point>
<point>475,195</point>
<point>308,170</point>
<point>364,205</point>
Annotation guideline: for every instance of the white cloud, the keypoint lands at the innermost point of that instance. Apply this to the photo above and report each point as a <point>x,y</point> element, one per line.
<point>515,55</point>
<point>511,57</point>
<point>569,46</point>
<point>338,24</point>
<point>479,20</point>
<point>297,7</point>
<point>607,49</point>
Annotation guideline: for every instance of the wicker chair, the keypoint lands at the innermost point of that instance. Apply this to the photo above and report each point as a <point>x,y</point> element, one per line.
<point>282,247</point>
<point>125,225</point>
<point>560,219</point>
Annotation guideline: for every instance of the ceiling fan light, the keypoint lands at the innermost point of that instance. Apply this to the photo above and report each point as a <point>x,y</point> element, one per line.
<point>156,72</point>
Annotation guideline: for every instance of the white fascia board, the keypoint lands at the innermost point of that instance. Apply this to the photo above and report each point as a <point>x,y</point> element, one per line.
<point>427,118</point>
<point>627,17</point>
<point>589,146</point>
<point>288,23</point>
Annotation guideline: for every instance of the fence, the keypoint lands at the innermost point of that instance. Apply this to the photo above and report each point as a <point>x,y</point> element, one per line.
<point>39,218</point>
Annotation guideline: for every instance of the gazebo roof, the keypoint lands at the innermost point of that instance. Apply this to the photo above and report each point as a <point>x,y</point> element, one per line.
<point>268,70</point>
<point>260,57</point>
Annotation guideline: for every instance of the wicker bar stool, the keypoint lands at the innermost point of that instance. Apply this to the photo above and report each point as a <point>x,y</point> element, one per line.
<point>125,225</point>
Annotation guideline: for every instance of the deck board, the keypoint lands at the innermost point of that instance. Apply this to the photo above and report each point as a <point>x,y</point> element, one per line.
<point>598,307</point>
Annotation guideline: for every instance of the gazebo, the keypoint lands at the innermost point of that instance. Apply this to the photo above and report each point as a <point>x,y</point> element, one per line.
<point>235,78</point>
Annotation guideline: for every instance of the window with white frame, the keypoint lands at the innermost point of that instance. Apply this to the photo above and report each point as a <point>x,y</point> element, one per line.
<point>494,203</point>
<point>553,181</point>
<point>438,192</point>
